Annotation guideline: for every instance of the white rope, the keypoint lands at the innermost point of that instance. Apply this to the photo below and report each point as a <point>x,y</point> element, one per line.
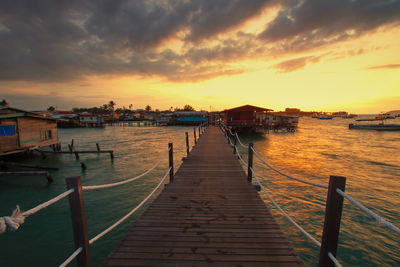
<point>335,261</point>
<point>310,237</point>
<point>288,176</point>
<point>381,222</point>
<point>17,217</point>
<point>240,142</point>
<point>240,157</point>
<point>71,258</point>
<point>93,187</point>
<point>97,237</point>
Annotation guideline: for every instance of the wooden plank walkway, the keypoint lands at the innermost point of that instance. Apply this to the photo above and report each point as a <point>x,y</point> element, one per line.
<point>209,216</point>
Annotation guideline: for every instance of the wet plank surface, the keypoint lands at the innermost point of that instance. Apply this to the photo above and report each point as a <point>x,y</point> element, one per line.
<point>209,216</point>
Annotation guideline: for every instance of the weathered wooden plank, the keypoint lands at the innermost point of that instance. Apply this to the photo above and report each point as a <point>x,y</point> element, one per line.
<point>208,216</point>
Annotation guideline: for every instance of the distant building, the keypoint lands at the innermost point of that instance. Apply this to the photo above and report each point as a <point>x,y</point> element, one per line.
<point>91,120</point>
<point>250,118</point>
<point>21,131</point>
<point>190,117</point>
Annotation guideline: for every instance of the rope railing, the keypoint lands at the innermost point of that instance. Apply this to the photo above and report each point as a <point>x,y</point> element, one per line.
<point>334,260</point>
<point>240,142</point>
<point>71,258</point>
<point>17,217</point>
<point>93,187</point>
<point>309,236</point>
<point>286,175</point>
<point>381,221</point>
<point>103,233</point>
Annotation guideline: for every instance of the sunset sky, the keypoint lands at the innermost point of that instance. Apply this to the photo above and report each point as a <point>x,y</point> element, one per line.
<point>326,55</point>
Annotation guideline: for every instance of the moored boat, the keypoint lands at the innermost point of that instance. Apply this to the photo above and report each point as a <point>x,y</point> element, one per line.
<point>377,127</point>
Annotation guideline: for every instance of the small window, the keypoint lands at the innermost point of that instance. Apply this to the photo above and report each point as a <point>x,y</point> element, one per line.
<point>7,130</point>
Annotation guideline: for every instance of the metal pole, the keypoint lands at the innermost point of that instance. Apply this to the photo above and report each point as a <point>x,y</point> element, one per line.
<point>187,143</point>
<point>79,223</point>
<point>171,161</point>
<point>194,134</point>
<point>250,164</point>
<point>333,214</point>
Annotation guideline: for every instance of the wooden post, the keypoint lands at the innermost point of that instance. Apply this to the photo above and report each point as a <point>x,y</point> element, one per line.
<point>171,161</point>
<point>72,143</point>
<point>112,154</point>
<point>98,146</point>
<point>234,145</point>
<point>250,164</point>
<point>333,214</point>
<point>187,143</point>
<point>69,147</point>
<point>194,134</point>
<point>79,223</point>
<point>199,131</point>
<point>76,155</point>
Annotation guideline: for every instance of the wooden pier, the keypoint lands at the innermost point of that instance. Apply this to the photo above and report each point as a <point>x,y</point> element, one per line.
<point>208,216</point>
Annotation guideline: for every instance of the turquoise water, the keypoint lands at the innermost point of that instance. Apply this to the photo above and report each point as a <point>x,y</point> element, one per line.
<point>370,160</point>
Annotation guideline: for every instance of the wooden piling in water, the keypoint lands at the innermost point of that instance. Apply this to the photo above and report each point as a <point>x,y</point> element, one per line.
<point>194,136</point>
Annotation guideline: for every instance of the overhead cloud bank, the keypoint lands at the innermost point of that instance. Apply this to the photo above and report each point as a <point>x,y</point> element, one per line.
<point>181,40</point>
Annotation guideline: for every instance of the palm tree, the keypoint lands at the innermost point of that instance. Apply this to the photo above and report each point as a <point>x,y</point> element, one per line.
<point>148,108</point>
<point>111,105</point>
<point>4,103</point>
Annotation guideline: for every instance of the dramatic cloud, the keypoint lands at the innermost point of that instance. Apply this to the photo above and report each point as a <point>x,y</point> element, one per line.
<point>389,66</point>
<point>295,64</point>
<point>181,40</point>
<point>312,23</point>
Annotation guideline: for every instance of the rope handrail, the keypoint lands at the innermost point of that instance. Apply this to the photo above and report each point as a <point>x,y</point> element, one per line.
<point>334,260</point>
<point>97,237</point>
<point>17,217</point>
<point>71,258</point>
<point>240,142</point>
<point>286,175</point>
<point>240,157</point>
<point>93,187</point>
<point>381,221</point>
<point>309,236</point>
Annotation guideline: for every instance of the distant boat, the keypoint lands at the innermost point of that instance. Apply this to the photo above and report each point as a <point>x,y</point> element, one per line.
<point>325,118</point>
<point>377,127</point>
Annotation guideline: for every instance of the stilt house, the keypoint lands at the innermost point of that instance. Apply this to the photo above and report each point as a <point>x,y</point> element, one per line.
<point>21,130</point>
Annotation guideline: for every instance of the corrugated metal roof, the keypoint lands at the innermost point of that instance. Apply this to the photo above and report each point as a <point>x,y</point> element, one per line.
<point>13,115</point>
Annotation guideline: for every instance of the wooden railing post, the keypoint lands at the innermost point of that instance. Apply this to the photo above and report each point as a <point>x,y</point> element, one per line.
<point>79,223</point>
<point>171,161</point>
<point>187,143</point>
<point>98,146</point>
<point>199,131</point>
<point>234,144</point>
<point>333,214</point>
<point>194,134</point>
<point>250,164</point>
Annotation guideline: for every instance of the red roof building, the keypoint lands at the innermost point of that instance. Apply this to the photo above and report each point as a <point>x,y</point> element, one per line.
<point>243,115</point>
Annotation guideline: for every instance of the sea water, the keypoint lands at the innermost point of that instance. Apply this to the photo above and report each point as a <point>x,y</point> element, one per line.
<point>370,161</point>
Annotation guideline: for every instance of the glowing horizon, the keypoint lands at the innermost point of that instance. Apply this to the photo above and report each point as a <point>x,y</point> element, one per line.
<point>265,53</point>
